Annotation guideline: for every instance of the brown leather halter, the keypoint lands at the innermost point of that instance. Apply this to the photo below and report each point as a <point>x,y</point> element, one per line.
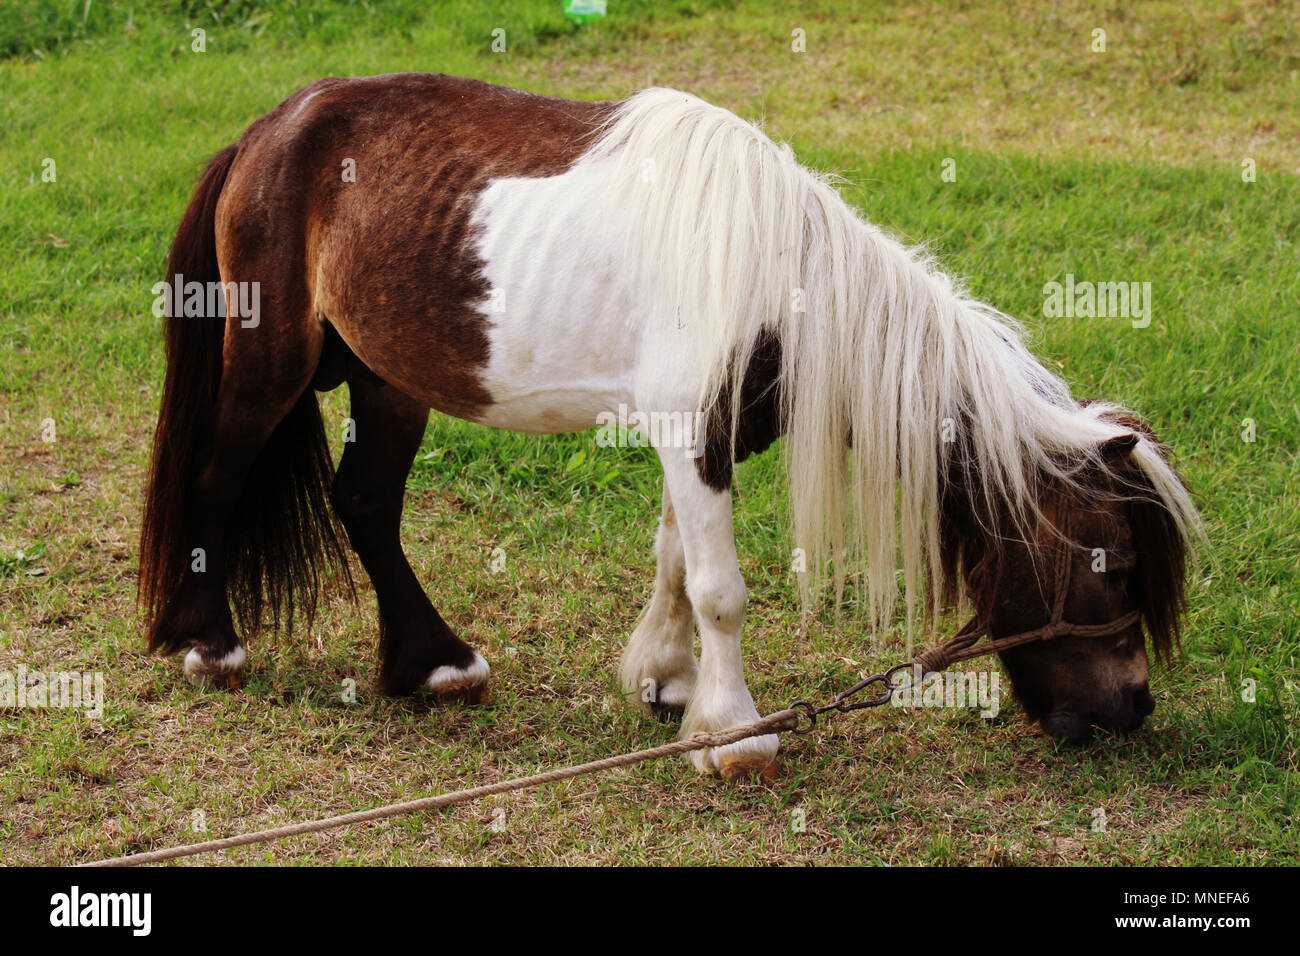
<point>963,645</point>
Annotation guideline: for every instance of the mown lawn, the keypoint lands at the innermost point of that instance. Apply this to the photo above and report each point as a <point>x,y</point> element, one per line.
<point>1118,165</point>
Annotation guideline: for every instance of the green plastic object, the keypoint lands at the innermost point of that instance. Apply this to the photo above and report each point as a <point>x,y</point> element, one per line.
<point>584,11</point>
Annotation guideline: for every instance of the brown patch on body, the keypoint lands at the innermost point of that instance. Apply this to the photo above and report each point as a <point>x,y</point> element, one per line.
<point>758,418</point>
<point>386,259</point>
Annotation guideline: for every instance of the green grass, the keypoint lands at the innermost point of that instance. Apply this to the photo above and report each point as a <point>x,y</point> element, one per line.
<point>1147,189</point>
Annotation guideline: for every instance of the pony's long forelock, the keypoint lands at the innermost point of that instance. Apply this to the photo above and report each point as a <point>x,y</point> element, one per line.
<point>738,238</point>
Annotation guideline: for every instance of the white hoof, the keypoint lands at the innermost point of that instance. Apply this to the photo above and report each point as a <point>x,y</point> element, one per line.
<point>221,670</point>
<point>447,679</point>
<point>754,755</point>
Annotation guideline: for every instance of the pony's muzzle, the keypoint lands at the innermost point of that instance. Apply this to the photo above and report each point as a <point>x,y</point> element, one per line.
<point>1131,707</point>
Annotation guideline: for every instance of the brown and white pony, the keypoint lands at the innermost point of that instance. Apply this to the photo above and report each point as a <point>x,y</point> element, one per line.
<point>534,264</point>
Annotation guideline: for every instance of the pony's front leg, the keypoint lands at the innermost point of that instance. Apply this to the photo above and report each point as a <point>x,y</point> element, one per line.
<point>659,667</point>
<point>717,592</point>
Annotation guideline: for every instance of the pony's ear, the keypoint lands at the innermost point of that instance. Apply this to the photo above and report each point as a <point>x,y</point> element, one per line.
<point>1115,450</point>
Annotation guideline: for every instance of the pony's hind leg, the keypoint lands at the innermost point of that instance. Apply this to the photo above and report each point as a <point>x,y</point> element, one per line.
<point>417,649</point>
<point>237,509</point>
<point>659,668</point>
<point>717,592</point>
<point>263,392</point>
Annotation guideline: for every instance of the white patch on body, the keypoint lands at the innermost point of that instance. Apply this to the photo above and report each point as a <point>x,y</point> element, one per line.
<point>565,321</point>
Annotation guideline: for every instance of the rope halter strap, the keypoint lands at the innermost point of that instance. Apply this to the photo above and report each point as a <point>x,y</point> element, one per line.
<point>965,643</point>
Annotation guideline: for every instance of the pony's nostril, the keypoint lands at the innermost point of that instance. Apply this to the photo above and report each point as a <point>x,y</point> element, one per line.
<point>1143,702</point>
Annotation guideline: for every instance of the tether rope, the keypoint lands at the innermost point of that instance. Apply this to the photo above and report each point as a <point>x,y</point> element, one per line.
<point>773,723</point>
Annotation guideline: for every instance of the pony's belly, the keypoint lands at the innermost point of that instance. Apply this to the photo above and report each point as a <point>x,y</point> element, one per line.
<point>544,379</point>
<point>547,411</point>
<point>563,320</point>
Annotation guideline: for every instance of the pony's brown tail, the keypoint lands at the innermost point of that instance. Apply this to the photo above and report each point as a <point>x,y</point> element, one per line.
<point>283,532</point>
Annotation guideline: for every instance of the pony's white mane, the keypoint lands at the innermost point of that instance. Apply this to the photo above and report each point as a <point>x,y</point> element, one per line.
<point>875,342</point>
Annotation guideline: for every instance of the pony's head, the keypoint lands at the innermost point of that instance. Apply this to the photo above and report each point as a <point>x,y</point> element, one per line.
<point>1100,572</point>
